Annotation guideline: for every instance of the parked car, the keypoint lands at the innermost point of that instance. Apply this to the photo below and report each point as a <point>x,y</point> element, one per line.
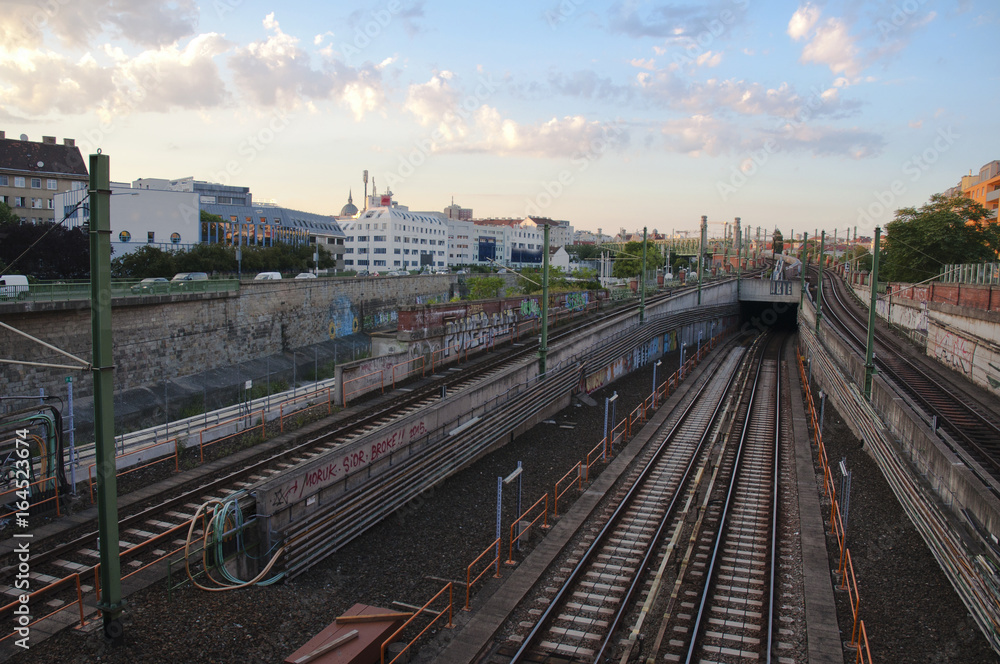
<point>185,280</point>
<point>397,273</point>
<point>305,275</point>
<point>151,285</point>
<point>361,273</point>
<point>267,276</point>
<point>13,287</point>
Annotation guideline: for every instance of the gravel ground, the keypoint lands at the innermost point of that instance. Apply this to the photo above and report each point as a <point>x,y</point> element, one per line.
<point>911,612</point>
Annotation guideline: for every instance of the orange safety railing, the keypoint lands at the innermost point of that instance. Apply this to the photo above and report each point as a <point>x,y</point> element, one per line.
<point>446,353</point>
<point>305,397</point>
<point>618,435</point>
<point>532,323</point>
<point>556,495</point>
<point>495,547</point>
<point>424,608</point>
<point>851,586</point>
<point>201,434</point>
<point>600,452</point>
<point>11,496</point>
<point>837,528</point>
<point>91,480</point>
<point>380,373</point>
<point>71,579</point>
<point>544,514</point>
<point>864,654</point>
<point>408,371</point>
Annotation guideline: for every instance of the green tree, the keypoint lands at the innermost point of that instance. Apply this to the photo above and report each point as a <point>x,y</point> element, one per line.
<point>945,230</point>
<point>485,288</point>
<point>7,215</point>
<point>146,261</point>
<point>628,263</point>
<point>45,250</point>
<point>584,252</point>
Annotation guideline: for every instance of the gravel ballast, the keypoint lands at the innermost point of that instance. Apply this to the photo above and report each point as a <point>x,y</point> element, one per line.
<point>911,612</point>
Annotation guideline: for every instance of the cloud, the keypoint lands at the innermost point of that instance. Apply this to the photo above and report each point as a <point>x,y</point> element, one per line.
<point>588,85</point>
<point>40,82</point>
<point>567,137</point>
<point>698,21</point>
<point>435,103</point>
<point>76,24</point>
<point>830,42</point>
<point>643,64</point>
<point>276,71</point>
<point>802,22</point>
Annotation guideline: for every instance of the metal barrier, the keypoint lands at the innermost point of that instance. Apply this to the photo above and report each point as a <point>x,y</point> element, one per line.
<point>556,495</point>
<point>544,514</point>
<point>239,432</point>
<point>853,598</point>
<point>602,453</point>
<point>381,375</point>
<point>408,371</point>
<point>74,578</point>
<point>13,493</point>
<point>90,468</point>
<point>864,654</point>
<point>495,546</point>
<point>422,609</point>
<point>445,353</point>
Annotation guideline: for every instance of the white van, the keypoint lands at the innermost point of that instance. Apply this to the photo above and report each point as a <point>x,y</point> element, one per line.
<point>13,287</point>
<point>267,276</point>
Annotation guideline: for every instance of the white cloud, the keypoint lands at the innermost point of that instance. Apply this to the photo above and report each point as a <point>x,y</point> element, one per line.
<point>709,59</point>
<point>834,47</point>
<point>643,64</point>
<point>277,71</point>
<point>40,82</point>
<point>802,21</point>
<point>567,137</point>
<point>77,23</point>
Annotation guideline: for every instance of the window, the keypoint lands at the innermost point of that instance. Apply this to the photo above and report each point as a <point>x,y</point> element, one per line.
<point>365,263</point>
<point>362,238</point>
<point>379,238</point>
<point>36,203</point>
<point>150,237</point>
<point>50,184</point>
<point>396,251</point>
<point>395,238</point>
<point>362,250</point>
<point>349,250</point>
<point>18,181</point>
<point>50,204</point>
<point>19,201</point>
<point>349,261</point>
<point>78,185</point>
<point>4,181</point>
<point>379,250</point>
<point>36,183</point>
<point>379,263</point>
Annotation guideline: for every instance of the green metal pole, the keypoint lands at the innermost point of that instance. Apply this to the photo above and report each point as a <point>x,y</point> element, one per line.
<point>819,282</point>
<point>111,603</point>
<point>739,256</point>
<point>701,254</point>
<point>544,346</point>
<point>870,349</point>
<point>642,280</point>
<point>802,259</point>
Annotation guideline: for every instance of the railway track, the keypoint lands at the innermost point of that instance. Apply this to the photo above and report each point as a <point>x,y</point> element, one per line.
<point>683,489</point>
<point>150,534</point>
<point>976,431</point>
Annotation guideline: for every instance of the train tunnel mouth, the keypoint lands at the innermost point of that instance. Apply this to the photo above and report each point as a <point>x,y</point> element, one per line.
<point>764,316</point>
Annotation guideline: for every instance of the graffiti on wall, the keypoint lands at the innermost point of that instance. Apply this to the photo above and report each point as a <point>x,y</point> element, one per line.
<point>342,320</point>
<point>378,319</point>
<point>624,365</point>
<point>953,350</point>
<point>477,329</point>
<point>577,301</point>
<point>530,308</point>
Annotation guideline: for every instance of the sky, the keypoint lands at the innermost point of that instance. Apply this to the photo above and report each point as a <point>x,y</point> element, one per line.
<point>625,114</point>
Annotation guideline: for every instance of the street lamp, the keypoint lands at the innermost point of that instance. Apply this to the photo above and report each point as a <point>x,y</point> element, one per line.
<point>658,363</point>
<point>680,366</point>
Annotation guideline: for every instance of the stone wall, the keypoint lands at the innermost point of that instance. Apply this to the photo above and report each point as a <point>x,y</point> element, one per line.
<point>164,337</point>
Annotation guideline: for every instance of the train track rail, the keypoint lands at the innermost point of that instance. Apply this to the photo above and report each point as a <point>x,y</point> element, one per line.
<point>150,533</point>
<point>688,490</point>
<point>976,431</point>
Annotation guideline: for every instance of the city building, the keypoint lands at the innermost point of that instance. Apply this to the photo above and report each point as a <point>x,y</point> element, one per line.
<point>458,212</point>
<point>388,236</point>
<point>167,214</point>
<point>32,174</point>
<point>985,187</point>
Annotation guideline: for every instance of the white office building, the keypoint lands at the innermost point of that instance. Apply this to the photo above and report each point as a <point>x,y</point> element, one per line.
<point>386,238</point>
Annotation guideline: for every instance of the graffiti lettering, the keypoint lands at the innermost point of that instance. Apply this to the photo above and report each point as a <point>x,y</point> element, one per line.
<point>477,330</point>
<point>530,309</point>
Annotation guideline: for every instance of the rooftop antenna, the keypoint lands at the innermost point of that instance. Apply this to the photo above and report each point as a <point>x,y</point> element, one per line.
<point>366,188</point>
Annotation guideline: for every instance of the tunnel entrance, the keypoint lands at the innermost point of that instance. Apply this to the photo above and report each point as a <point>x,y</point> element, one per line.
<point>768,315</point>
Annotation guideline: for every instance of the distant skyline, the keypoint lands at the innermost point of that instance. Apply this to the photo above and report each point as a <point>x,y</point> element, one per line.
<point>606,114</point>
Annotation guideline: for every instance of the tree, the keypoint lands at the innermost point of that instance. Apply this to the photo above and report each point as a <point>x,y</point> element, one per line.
<point>584,252</point>
<point>7,215</point>
<point>485,288</point>
<point>45,250</point>
<point>628,263</point>
<point>146,261</point>
<point>945,230</point>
